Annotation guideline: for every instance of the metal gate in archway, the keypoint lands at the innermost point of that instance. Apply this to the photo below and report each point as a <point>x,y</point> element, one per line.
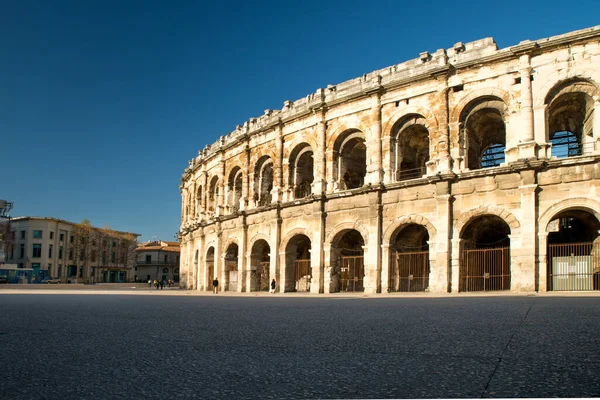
<point>483,270</point>
<point>262,275</point>
<point>573,267</point>
<point>303,275</point>
<point>409,271</point>
<point>352,273</point>
<point>231,272</point>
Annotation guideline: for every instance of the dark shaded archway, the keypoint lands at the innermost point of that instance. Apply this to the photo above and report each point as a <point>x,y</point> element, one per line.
<point>260,264</point>
<point>409,259</point>
<point>298,272</point>
<point>574,251</point>
<point>485,255</point>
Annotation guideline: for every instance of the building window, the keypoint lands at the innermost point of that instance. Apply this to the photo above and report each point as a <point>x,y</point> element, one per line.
<point>113,257</point>
<point>93,256</point>
<point>60,253</point>
<point>50,251</point>
<point>51,235</point>
<point>81,271</point>
<point>148,259</point>
<point>21,250</point>
<point>114,244</point>
<point>37,250</point>
<point>37,234</point>
<point>71,238</point>
<point>22,234</point>
<point>70,254</point>
<point>49,268</point>
<point>166,258</point>
<point>61,237</point>
<point>59,272</point>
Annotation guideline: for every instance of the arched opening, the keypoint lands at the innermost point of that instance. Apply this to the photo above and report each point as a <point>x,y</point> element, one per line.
<point>347,262</point>
<point>351,160</point>
<point>484,132</point>
<point>298,272</point>
<point>573,251</point>
<point>409,259</point>
<point>176,275</point>
<point>230,280</point>
<point>260,262</point>
<point>301,171</point>
<point>411,147</point>
<point>263,181</point>
<point>485,255</point>
<point>571,118</point>
<point>210,268</point>
<point>234,189</point>
<point>213,194</point>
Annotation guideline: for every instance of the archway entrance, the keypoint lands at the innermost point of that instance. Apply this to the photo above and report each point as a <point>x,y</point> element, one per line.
<point>210,268</point>
<point>573,255</point>
<point>298,273</point>
<point>230,280</point>
<point>485,255</point>
<point>409,263</point>
<point>259,266</point>
<point>347,258</point>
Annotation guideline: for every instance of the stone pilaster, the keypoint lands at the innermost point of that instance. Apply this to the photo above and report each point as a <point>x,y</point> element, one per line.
<point>527,144</point>
<point>277,192</point>
<point>374,170</point>
<point>319,183</point>
<point>523,251</point>
<point>439,247</point>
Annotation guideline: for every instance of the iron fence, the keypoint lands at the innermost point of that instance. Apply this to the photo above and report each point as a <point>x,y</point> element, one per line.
<point>573,267</point>
<point>485,270</point>
<point>409,272</point>
<point>352,274</point>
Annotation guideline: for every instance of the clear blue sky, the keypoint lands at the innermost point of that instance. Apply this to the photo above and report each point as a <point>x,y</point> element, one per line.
<point>102,103</point>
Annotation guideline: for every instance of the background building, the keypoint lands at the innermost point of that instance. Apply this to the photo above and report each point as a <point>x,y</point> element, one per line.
<point>157,259</point>
<point>46,247</point>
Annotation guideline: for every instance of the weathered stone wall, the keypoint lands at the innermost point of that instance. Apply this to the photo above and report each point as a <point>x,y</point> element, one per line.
<point>467,98</point>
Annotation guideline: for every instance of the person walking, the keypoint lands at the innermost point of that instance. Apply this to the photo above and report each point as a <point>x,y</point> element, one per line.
<point>273,284</point>
<point>215,286</point>
<point>149,282</point>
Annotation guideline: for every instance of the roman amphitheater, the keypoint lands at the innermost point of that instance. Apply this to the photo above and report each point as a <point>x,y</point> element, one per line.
<point>468,169</point>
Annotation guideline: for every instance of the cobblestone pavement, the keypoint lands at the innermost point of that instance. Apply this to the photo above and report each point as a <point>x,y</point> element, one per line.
<point>68,346</point>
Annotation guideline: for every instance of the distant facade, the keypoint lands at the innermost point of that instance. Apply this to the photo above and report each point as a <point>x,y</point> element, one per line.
<point>157,260</point>
<point>46,247</point>
<point>469,169</point>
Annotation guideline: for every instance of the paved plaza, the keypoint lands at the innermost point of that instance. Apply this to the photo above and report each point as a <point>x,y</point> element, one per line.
<point>72,346</point>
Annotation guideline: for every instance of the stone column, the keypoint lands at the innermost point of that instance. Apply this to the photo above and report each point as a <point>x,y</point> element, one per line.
<point>443,132</point>
<point>596,124</point>
<point>374,170</point>
<point>332,178</point>
<point>541,260</point>
<point>327,268</point>
<point>200,274</point>
<point>385,267</point>
<point>246,190</point>
<point>319,184</point>
<point>527,145</point>
<point>242,266</point>
<point>457,147</point>
<point>541,134</point>
<point>439,248</point>
<point>526,255</point>
<point>316,250</point>
<point>277,191</point>
<point>278,270</point>
<point>455,263</point>
<point>220,200</point>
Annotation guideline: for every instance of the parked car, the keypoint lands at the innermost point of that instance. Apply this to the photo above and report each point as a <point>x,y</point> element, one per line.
<point>4,280</point>
<point>50,280</point>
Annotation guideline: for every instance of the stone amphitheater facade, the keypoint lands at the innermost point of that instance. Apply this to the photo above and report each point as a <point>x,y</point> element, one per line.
<point>469,169</point>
